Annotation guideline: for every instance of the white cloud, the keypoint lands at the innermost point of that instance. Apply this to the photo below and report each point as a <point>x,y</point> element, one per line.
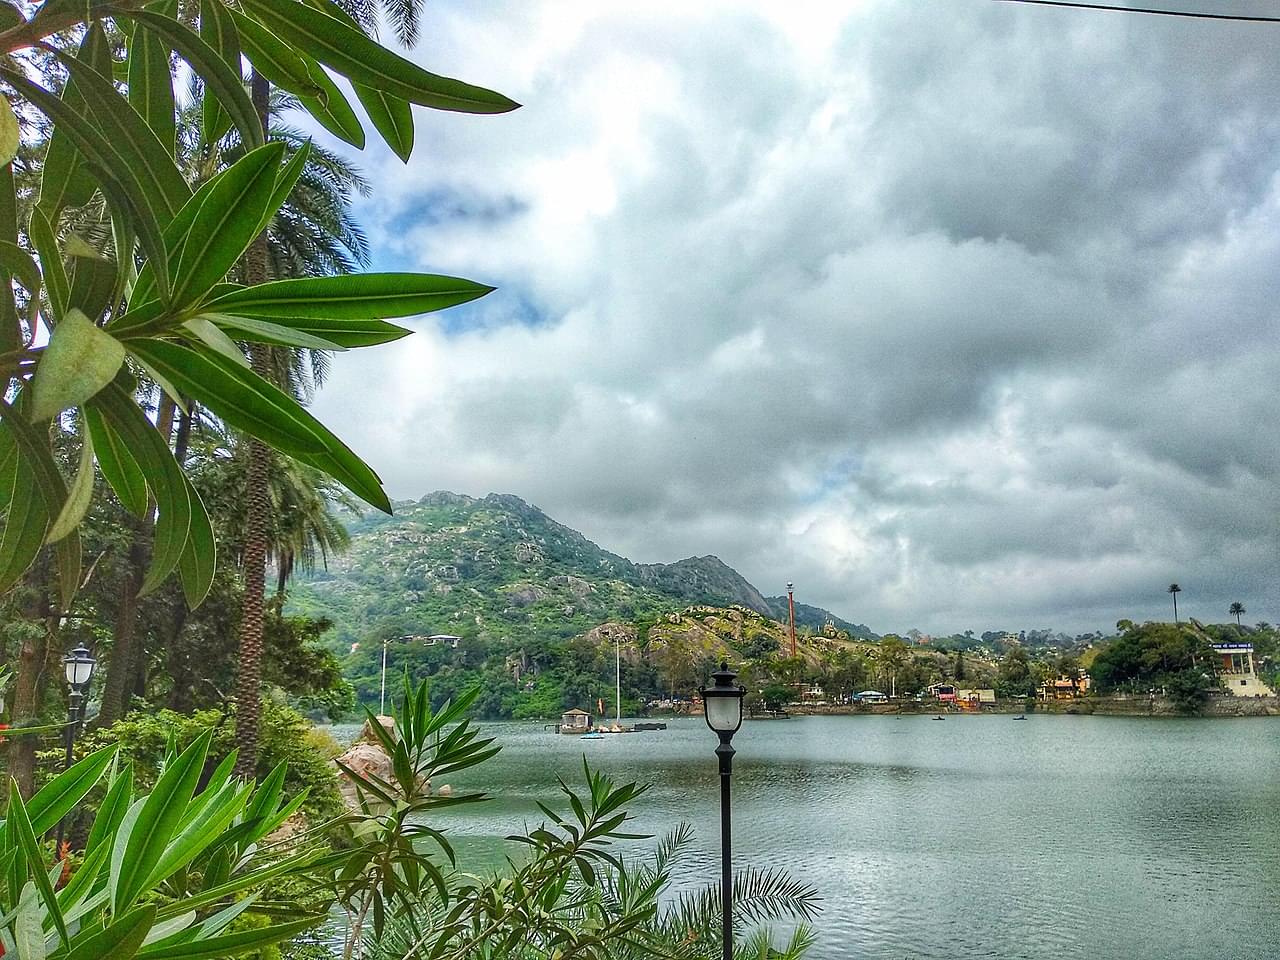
<point>957,321</point>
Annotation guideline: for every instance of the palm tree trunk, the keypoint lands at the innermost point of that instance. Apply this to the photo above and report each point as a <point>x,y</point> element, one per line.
<point>249,676</point>
<point>39,658</point>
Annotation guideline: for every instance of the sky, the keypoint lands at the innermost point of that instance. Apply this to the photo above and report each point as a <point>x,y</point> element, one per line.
<point>959,314</point>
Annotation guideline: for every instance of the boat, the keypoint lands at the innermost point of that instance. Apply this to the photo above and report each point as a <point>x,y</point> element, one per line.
<point>592,736</point>
<point>939,718</point>
<point>1020,717</point>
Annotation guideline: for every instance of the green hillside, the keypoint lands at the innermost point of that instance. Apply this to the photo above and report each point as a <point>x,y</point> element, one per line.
<point>524,593</point>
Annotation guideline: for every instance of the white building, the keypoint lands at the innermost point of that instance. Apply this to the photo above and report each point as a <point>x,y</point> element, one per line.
<point>1237,671</point>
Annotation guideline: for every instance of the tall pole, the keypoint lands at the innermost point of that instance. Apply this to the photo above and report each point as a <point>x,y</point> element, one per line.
<point>382,698</point>
<point>725,754</point>
<point>617,677</point>
<point>68,739</point>
<point>791,610</point>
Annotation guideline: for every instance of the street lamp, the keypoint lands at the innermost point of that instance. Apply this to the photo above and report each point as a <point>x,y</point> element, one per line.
<point>78,666</point>
<point>722,706</point>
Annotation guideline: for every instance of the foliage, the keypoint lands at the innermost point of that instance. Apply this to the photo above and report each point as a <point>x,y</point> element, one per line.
<point>165,872</point>
<point>569,895</point>
<point>1174,657</point>
<point>152,300</point>
<point>287,741</point>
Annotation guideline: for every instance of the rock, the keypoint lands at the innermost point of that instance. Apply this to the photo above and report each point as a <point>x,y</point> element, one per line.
<point>527,552</point>
<point>367,734</point>
<point>364,759</point>
<point>526,594</point>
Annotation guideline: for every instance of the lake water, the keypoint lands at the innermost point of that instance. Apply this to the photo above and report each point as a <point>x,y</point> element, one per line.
<point>1053,837</point>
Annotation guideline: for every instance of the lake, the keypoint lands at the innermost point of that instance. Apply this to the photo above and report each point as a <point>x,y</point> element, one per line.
<point>971,837</point>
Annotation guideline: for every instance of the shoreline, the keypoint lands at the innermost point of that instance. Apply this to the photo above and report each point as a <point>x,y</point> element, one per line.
<point>1225,707</point>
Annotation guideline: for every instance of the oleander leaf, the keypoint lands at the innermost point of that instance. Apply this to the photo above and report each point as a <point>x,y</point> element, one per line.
<point>150,85</point>
<point>119,467</point>
<point>198,562</point>
<point>80,360</point>
<point>225,224</point>
<point>10,135</point>
<point>55,274</point>
<point>223,82</point>
<point>79,494</point>
<point>363,60</point>
<point>163,477</point>
<point>118,175</point>
<point>248,402</point>
<point>219,30</point>
<point>301,75</point>
<point>65,178</point>
<point>367,296</point>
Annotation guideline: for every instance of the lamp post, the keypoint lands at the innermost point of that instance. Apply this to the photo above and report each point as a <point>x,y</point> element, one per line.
<point>722,705</point>
<point>78,666</point>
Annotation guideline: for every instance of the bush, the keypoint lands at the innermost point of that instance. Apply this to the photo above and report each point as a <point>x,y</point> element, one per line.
<point>284,736</point>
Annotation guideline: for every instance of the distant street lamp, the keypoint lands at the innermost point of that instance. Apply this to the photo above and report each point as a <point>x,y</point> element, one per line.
<point>722,705</point>
<point>78,666</point>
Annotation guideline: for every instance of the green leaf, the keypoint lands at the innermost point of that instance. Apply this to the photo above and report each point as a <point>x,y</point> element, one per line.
<point>249,403</point>
<point>26,517</point>
<point>67,558</point>
<point>366,296</point>
<point>92,279</point>
<point>198,562</point>
<point>290,69</point>
<point>79,494</point>
<point>363,60</point>
<point>285,183</point>
<point>225,224</point>
<point>150,85</point>
<point>65,178</point>
<point>28,928</point>
<point>237,395</point>
<point>80,360</point>
<point>163,476</point>
<point>229,944</point>
<point>112,811</point>
<point>118,174</point>
<point>18,263</point>
<point>120,940</point>
<point>55,275</point>
<point>10,135</point>
<point>213,338</point>
<point>154,163</point>
<point>391,117</point>
<point>60,795</point>
<point>139,849</point>
<point>118,465</point>
<point>261,331</point>
<point>18,823</point>
<point>223,81</point>
<point>219,30</point>
<point>10,328</point>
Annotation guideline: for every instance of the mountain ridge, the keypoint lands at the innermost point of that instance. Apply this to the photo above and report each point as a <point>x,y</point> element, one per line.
<point>500,568</point>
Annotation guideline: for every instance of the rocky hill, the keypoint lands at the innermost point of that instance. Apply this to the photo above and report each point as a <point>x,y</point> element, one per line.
<point>499,569</point>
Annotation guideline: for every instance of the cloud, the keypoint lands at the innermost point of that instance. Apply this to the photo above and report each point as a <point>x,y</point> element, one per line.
<point>957,316</point>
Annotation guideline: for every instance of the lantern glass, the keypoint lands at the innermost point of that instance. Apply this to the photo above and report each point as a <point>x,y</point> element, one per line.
<point>78,666</point>
<point>724,713</point>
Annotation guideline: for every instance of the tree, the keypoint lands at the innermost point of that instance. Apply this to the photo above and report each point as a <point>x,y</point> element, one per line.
<point>1237,610</point>
<point>152,300</point>
<point>1173,591</point>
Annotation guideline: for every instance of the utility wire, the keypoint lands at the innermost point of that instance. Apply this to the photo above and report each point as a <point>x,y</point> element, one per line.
<point>1151,10</point>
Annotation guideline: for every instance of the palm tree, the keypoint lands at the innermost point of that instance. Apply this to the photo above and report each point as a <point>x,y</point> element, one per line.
<point>1237,610</point>
<point>1173,591</point>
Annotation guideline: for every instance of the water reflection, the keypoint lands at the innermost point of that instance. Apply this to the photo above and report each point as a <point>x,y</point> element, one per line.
<point>978,837</point>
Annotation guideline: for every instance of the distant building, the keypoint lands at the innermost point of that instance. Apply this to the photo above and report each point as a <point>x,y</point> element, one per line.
<point>1237,671</point>
<point>944,692</point>
<point>870,696</point>
<point>1065,688</point>
<point>575,721</point>
<point>979,696</point>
